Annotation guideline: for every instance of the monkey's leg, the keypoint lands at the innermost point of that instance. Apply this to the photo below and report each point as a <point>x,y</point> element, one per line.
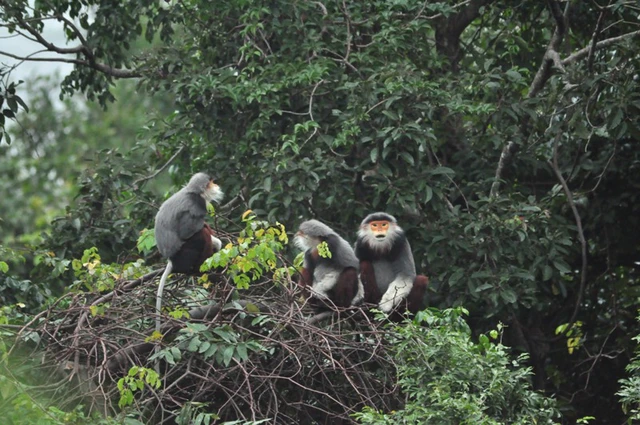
<point>216,243</point>
<point>192,253</point>
<point>346,288</point>
<point>415,299</point>
<point>372,294</point>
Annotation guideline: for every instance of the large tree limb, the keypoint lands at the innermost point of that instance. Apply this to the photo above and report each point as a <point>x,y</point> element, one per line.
<point>551,56</point>
<point>584,52</point>
<point>449,29</point>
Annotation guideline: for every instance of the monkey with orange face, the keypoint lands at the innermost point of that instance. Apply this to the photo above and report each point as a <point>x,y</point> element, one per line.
<point>387,268</point>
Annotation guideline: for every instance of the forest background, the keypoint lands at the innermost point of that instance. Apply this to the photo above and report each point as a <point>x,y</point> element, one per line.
<point>502,135</point>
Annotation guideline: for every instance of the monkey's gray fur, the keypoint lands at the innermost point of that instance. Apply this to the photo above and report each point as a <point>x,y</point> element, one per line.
<point>182,215</point>
<point>325,273</point>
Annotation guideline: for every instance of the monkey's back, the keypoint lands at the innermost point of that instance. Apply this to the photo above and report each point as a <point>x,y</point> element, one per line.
<point>179,218</point>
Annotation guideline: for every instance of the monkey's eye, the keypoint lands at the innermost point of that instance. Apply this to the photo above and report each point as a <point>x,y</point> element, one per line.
<point>385,225</point>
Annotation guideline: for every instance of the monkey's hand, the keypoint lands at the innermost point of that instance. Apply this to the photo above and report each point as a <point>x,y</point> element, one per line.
<point>398,290</point>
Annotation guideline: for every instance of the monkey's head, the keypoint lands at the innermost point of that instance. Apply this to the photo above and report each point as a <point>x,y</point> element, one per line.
<point>204,186</point>
<point>310,234</point>
<point>380,230</point>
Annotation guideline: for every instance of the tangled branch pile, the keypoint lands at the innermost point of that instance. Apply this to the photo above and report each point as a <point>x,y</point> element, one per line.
<point>257,354</point>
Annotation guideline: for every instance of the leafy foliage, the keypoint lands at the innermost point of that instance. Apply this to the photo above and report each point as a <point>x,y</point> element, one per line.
<point>449,379</point>
<point>630,388</point>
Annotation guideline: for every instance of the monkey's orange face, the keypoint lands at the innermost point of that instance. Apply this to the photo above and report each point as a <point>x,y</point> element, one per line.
<point>380,228</point>
<point>212,192</point>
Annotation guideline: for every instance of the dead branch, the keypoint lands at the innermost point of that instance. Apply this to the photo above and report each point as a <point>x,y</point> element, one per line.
<point>304,368</point>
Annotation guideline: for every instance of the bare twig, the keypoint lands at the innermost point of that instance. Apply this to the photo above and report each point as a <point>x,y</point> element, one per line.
<point>159,170</point>
<point>594,39</point>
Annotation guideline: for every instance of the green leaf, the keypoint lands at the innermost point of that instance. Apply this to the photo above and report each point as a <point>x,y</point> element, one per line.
<point>455,277</point>
<point>227,355</point>
<point>204,346</point>
<point>241,351</point>
<point>225,335</point>
<point>429,194</point>
<point>194,344</point>
<point>442,170</point>
<point>561,266</point>
<point>374,155</point>
<point>615,118</point>
<point>508,296</point>
<point>547,273</point>
<point>323,250</point>
<point>147,240</point>
<point>407,158</point>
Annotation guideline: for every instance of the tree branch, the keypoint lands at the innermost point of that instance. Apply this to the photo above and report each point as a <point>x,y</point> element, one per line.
<point>551,57</point>
<point>31,59</point>
<point>578,220</point>
<point>50,46</point>
<point>508,150</point>
<point>82,49</point>
<point>580,54</point>
<point>544,73</point>
<point>161,169</point>
<point>594,39</point>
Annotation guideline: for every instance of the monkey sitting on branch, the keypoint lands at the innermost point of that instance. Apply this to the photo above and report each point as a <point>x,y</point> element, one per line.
<point>330,269</point>
<point>182,235</point>
<point>387,268</point>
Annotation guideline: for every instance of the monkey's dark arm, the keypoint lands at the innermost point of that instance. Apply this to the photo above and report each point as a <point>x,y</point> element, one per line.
<point>311,257</point>
<point>416,298</point>
<point>372,294</point>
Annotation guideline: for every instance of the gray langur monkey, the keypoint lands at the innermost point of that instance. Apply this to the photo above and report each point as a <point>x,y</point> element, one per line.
<point>331,279</point>
<point>181,233</point>
<point>387,268</point>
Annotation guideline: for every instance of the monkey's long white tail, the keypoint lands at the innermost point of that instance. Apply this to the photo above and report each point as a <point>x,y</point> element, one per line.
<point>163,280</point>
